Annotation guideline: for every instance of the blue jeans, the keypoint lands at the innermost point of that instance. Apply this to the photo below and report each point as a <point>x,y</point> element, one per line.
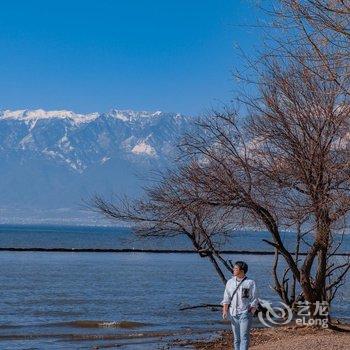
<point>241,324</point>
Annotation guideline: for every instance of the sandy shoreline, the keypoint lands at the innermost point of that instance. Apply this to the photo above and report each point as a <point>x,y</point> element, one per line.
<point>286,338</point>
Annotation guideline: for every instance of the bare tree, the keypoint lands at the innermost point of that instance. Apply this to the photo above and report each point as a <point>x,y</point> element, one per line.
<point>303,124</point>
<point>290,160</point>
<point>327,19</point>
<point>224,174</point>
<point>318,26</point>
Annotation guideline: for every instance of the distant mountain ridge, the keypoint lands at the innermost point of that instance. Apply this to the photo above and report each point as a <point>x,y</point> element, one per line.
<point>52,159</point>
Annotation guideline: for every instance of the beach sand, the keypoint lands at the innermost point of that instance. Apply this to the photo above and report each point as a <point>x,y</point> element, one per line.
<point>283,338</point>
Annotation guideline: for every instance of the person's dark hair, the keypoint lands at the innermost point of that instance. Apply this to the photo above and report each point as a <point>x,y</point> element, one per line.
<point>242,265</point>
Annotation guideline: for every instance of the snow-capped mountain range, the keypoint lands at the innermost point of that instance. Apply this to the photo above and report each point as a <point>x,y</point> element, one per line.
<point>53,159</point>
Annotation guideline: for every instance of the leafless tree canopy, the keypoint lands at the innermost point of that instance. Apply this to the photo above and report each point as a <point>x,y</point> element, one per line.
<point>318,26</point>
<point>286,164</point>
<point>170,209</point>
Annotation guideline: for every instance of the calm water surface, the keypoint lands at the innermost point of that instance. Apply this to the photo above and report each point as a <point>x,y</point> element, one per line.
<point>109,300</point>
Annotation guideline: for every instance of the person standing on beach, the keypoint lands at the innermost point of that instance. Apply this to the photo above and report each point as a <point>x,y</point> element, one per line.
<point>240,300</point>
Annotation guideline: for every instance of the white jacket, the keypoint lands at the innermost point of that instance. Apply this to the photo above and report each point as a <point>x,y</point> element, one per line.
<point>245,297</point>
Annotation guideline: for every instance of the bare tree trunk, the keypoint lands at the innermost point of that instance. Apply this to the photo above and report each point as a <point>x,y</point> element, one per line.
<point>217,268</point>
<point>297,251</point>
<point>207,253</point>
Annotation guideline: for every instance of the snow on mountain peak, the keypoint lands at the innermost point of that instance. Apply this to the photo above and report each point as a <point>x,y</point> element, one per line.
<point>83,140</point>
<point>34,115</point>
<point>144,148</point>
<point>56,158</point>
<point>130,115</point>
<point>77,118</point>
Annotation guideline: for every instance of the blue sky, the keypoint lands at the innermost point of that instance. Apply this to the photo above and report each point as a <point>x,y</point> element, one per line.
<point>95,55</point>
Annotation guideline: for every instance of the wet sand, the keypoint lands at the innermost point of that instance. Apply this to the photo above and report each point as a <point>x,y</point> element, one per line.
<point>286,338</point>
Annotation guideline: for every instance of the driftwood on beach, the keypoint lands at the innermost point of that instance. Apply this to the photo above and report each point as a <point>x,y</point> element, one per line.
<point>200,306</point>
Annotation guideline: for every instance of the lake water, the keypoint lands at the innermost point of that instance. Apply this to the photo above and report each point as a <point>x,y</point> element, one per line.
<point>111,300</point>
